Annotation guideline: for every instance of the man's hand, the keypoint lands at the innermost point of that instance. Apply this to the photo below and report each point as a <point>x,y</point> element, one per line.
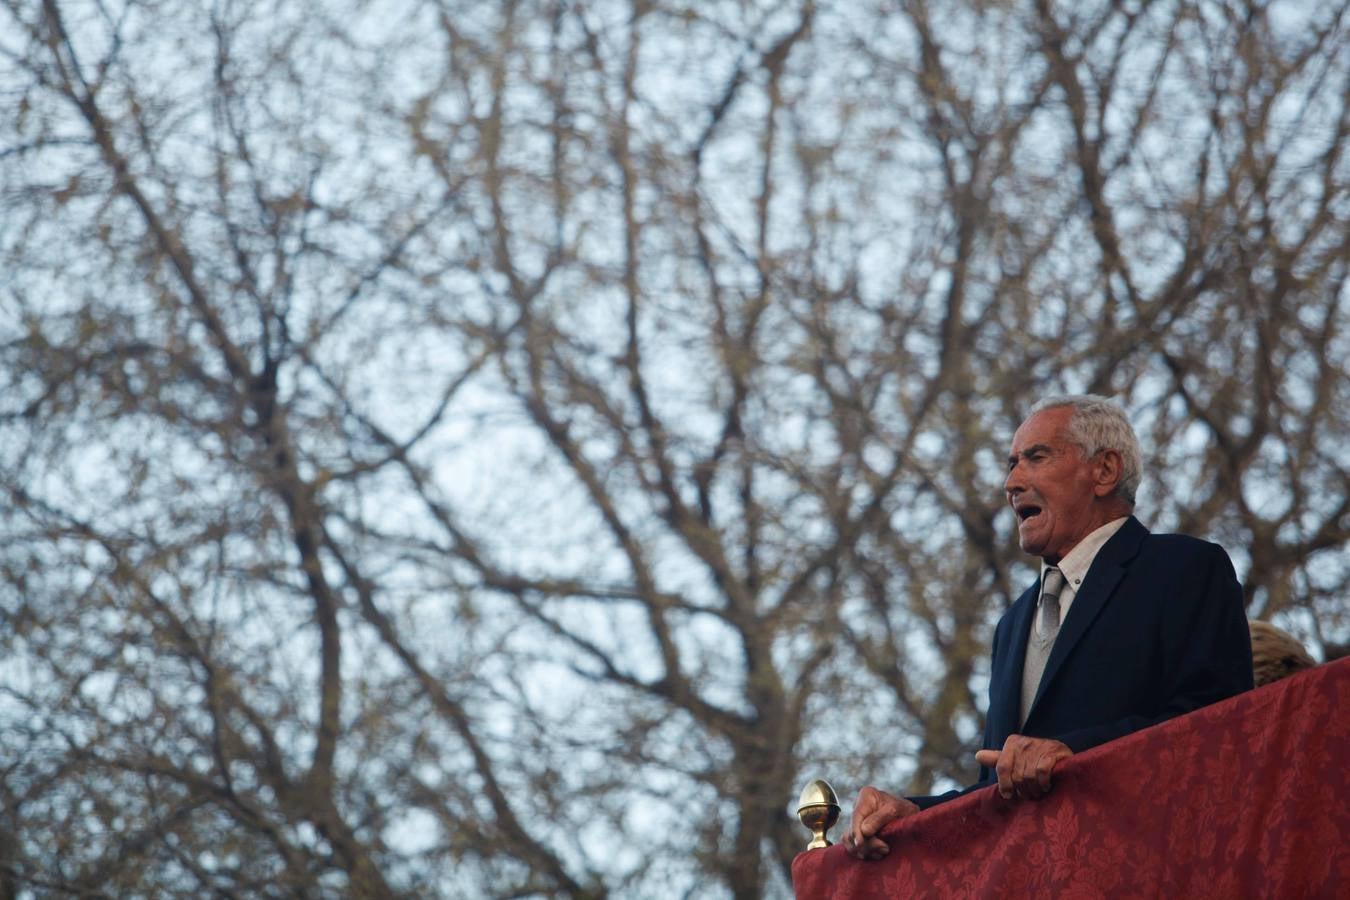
<point>1024,765</point>
<point>872,810</point>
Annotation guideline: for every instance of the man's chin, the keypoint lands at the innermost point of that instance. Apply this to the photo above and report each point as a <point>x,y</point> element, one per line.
<point>1032,545</point>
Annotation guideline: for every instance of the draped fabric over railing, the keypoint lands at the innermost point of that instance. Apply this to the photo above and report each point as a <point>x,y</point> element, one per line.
<point>1246,798</point>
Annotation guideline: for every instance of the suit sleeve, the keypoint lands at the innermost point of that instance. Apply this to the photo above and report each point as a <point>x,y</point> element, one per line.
<point>1204,650</point>
<point>987,776</point>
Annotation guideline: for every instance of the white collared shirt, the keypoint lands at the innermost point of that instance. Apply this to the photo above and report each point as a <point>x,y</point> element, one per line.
<point>1075,565</point>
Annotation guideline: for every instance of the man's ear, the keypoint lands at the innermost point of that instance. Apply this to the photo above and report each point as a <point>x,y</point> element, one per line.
<point>1106,471</point>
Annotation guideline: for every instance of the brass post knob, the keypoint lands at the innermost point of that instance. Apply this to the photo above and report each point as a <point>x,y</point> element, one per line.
<point>818,809</point>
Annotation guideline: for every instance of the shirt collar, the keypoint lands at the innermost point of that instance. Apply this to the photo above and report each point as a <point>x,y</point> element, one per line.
<point>1077,561</point>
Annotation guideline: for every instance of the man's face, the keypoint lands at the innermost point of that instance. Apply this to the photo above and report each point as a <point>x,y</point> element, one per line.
<point>1050,487</point>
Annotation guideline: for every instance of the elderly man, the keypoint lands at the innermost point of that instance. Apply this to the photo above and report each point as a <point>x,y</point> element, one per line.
<point>1122,630</point>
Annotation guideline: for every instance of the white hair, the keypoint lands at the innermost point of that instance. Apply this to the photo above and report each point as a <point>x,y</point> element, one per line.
<point>1098,424</point>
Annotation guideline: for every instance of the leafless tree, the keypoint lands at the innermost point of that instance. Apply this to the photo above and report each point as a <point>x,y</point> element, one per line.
<point>456,448</point>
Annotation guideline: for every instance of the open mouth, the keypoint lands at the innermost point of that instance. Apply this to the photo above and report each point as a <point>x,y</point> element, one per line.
<point>1027,512</point>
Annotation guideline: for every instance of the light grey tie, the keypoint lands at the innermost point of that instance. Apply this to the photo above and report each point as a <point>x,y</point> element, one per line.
<point>1041,639</point>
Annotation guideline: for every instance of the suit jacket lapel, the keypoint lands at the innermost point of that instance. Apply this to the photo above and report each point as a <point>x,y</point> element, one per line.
<point>1107,569</point>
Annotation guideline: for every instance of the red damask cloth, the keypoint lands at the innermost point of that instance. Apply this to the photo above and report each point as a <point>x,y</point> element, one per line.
<point>1245,798</point>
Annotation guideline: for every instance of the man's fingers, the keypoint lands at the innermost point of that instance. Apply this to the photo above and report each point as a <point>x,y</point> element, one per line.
<point>876,848</point>
<point>854,847</point>
<point>1005,776</point>
<point>866,803</point>
<point>873,822</point>
<point>856,838</point>
<point>1024,778</point>
<point>871,812</point>
<point>1043,770</point>
<point>867,848</point>
<point>995,759</point>
<point>1025,766</point>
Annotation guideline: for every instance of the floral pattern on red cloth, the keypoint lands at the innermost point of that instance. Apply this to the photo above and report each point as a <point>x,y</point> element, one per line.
<point>1245,798</point>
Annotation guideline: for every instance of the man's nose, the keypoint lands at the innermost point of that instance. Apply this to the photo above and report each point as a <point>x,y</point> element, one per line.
<point>1013,483</point>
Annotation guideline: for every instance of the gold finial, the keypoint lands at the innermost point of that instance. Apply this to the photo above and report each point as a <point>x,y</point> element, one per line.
<point>818,809</point>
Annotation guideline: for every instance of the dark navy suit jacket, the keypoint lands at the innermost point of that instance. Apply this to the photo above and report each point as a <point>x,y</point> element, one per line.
<point>1156,629</point>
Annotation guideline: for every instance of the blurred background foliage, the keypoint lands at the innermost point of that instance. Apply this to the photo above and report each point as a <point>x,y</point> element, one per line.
<point>454,448</point>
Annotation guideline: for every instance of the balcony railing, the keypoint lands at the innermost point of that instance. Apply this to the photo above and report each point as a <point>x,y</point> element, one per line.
<point>1245,798</point>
